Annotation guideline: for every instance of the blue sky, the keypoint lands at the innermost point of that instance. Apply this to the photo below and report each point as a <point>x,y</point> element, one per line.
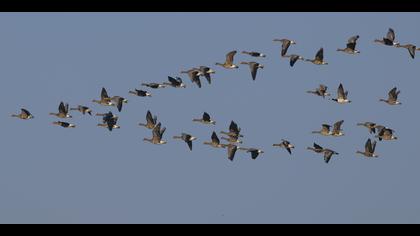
<point>89,175</point>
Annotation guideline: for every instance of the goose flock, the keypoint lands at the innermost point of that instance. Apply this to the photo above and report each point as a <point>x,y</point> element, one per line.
<point>233,137</point>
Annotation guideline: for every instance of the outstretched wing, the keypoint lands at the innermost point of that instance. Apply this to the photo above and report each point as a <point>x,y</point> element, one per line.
<point>230,56</point>
<point>320,55</point>
<point>104,94</point>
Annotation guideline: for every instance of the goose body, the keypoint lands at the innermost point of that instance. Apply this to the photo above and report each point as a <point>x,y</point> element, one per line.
<point>319,58</point>
<point>140,93</point>
<point>187,138</point>
<point>285,44</point>
<point>253,66</point>
<point>321,91</point>
<point>157,133</point>
<point>215,142</point>
<point>24,115</point>
<point>206,119</point>
<point>341,96</point>
<point>254,152</point>
<point>105,99</point>
<point>154,85</point>
<point>369,149</point>
<point>392,97</point>
<point>63,111</point>
<point>389,39</point>
<point>351,46</point>
<point>254,54</point>
<point>151,121</point>
<point>175,82</point>
<point>82,109</point>
<point>285,144</point>
<point>293,59</point>
<point>194,75</point>
<point>228,64</point>
<point>64,124</point>
<point>206,72</point>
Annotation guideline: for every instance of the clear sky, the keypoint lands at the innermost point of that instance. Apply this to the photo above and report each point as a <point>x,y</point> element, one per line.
<point>89,175</point>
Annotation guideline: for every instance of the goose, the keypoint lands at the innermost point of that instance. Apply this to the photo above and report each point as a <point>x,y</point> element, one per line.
<point>105,99</point>
<point>153,85</point>
<point>285,45</point>
<point>386,134</point>
<point>63,111</point>
<point>231,151</point>
<point>392,97</point>
<point>254,152</point>
<point>140,93</point>
<point>389,40</point>
<point>194,75</point>
<point>341,96</point>
<point>337,132</point>
<point>82,109</point>
<point>316,148</point>
<point>285,144</point>
<point>319,58</point>
<point>188,138</point>
<point>228,64</point>
<point>369,149</point>
<point>118,101</point>
<point>294,58</point>
<point>176,83</point>
<point>64,124</point>
<point>24,115</point>
<point>206,119</point>
<point>157,135</point>
<point>110,122</point>
<point>351,46</point>
<point>321,91</point>
<point>234,130</point>
<point>150,121</point>
<point>370,125</point>
<point>215,141</point>
<point>206,72</point>
<point>254,66</point>
<point>254,54</point>
<point>410,47</point>
<point>325,131</point>
<point>328,153</point>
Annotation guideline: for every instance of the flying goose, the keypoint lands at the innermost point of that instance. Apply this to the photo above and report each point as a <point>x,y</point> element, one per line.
<point>153,85</point>
<point>176,83</point>
<point>410,47</point>
<point>386,134</point>
<point>285,45</point>
<point>294,58</point>
<point>316,148</point>
<point>105,99</point>
<point>369,149</point>
<point>321,91</point>
<point>157,135</point>
<point>328,153</point>
<point>351,46</point>
<point>254,66</point>
<point>253,54</point>
<point>215,142</point>
<point>206,119</point>
<point>337,132</point>
<point>206,72</point>
<point>150,121</point>
<point>82,109</point>
<point>140,93</point>
<point>285,144</point>
<point>194,75</point>
<point>63,111</point>
<point>389,40</point>
<point>188,138</point>
<point>392,97</point>
<point>24,115</point>
<point>234,130</point>
<point>118,101</point>
<point>319,58</point>
<point>228,64</point>
<point>325,131</point>
<point>341,96</point>
<point>109,121</point>
<point>370,125</point>
<point>64,124</point>
<point>254,152</point>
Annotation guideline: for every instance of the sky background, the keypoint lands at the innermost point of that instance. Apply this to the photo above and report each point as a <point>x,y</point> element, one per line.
<point>90,175</point>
